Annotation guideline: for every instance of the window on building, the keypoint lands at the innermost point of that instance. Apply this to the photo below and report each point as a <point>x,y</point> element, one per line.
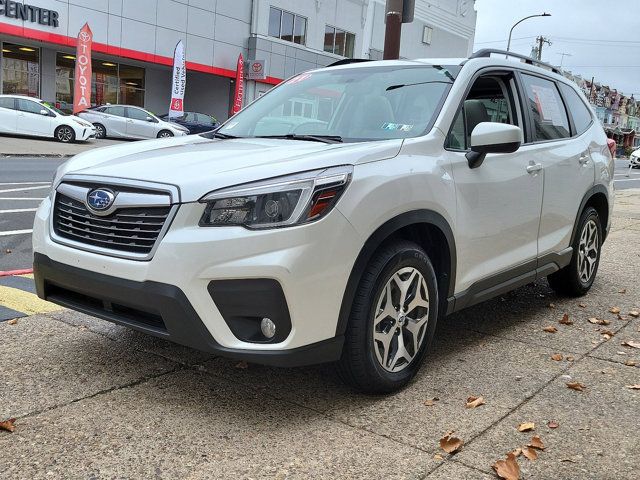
<point>20,69</point>
<point>339,41</point>
<point>110,82</point>
<point>549,115</point>
<point>581,114</point>
<point>287,26</point>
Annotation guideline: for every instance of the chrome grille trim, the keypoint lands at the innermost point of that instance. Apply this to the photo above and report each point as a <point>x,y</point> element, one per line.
<point>132,229</point>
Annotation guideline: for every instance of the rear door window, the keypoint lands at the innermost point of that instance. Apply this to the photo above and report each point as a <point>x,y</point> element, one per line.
<point>117,111</point>
<point>580,113</point>
<point>550,121</point>
<point>6,102</point>
<point>137,114</point>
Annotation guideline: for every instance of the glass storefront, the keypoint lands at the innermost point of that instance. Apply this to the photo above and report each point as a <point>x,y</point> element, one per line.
<point>20,69</point>
<point>111,82</point>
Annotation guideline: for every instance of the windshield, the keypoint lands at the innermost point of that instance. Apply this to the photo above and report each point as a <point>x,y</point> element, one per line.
<point>353,104</point>
<point>57,110</point>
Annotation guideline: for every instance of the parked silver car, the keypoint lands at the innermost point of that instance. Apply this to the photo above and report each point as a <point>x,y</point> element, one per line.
<point>125,121</point>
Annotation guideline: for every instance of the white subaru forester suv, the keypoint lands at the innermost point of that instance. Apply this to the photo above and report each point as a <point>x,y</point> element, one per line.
<point>339,216</point>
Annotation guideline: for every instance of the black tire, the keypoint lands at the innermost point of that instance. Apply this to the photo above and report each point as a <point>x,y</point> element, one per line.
<point>569,281</point>
<point>359,366</point>
<point>65,134</point>
<point>101,131</point>
<point>165,134</point>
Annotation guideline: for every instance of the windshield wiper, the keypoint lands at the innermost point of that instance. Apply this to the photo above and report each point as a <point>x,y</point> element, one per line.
<point>216,134</point>
<point>310,138</point>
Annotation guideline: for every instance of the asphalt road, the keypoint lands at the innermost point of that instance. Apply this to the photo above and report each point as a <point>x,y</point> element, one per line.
<point>24,183</point>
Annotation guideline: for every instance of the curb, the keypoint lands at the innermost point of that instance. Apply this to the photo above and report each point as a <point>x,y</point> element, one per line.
<point>37,155</point>
<point>10,273</point>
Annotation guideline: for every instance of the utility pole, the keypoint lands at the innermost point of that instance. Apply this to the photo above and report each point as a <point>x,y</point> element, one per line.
<point>397,13</point>
<point>541,41</point>
<point>562,55</point>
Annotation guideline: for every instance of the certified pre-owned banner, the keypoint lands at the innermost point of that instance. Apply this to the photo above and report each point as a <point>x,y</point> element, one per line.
<point>82,89</point>
<point>239,90</point>
<point>178,82</point>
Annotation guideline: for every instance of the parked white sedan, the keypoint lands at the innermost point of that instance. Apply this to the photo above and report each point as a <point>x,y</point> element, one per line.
<point>126,121</point>
<point>22,115</point>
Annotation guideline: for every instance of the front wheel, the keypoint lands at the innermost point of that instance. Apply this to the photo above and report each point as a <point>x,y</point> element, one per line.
<point>576,278</point>
<point>101,132</point>
<point>392,320</point>
<point>65,134</point>
<point>165,134</point>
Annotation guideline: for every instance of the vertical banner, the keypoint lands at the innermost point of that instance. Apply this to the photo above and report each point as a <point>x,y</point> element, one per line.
<point>82,88</point>
<point>178,82</point>
<point>239,90</point>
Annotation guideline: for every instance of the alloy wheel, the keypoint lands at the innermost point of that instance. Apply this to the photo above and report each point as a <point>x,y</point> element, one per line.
<point>588,251</point>
<point>400,320</point>
<point>165,135</point>
<point>65,134</point>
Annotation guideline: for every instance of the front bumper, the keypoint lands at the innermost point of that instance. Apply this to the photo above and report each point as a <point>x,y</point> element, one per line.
<point>311,264</point>
<point>635,161</point>
<point>157,309</point>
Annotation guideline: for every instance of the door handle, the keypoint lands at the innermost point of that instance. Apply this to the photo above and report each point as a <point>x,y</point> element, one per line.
<point>534,167</point>
<point>129,121</point>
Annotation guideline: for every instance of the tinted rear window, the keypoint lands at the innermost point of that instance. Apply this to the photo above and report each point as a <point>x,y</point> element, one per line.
<point>580,113</point>
<point>548,111</point>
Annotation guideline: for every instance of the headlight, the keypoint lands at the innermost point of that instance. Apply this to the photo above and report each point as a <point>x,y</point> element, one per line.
<point>82,122</point>
<point>278,202</point>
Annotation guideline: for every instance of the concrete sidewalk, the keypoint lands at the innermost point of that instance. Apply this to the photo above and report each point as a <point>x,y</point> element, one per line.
<point>94,400</point>
<point>33,147</point>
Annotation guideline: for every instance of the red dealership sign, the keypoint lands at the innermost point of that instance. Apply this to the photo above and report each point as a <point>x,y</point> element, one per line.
<point>239,91</point>
<point>82,89</point>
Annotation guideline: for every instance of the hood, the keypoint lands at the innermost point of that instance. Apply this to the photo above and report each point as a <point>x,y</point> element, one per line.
<point>198,165</point>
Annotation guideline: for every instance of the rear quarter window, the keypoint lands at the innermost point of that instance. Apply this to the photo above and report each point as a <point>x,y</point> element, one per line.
<point>547,109</point>
<point>580,113</point>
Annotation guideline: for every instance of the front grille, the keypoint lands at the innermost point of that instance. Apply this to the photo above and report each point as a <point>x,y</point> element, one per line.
<point>131,230</point>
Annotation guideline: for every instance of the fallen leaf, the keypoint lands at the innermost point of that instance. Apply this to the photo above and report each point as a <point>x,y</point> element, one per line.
<point>605,322</point>
<point>526,426</point>
<point>473,402</point>
<point>530,453</point>
<point>13,321</point>
<point>624,290</point>
<point>631,343</point>
<point>614,310</point>
<point>536,442</point>
<point>557,357</point>
<point>569,358</point>
<point>437,456</point>
<point>594,320</point>
<point>568,460</point>
<point>630,363</point>
<point>576,386</point>
<point>553,424</point>
<point>606,333</point>
<point>565,320</point>
<point>507,469</point>
<point>582,305</point>
<point>450,444</point>
<point>242,364</point>
<point>634,313</point>
<point>552,305</point>
<point>622,317</point>
<point>8,425</point>
<point>634,387</point>
<point>517,452</point>
<point>430,402</point>
<point>550,329</point>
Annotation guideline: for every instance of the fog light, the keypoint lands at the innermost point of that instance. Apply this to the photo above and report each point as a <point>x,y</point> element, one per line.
<point>268,327</point>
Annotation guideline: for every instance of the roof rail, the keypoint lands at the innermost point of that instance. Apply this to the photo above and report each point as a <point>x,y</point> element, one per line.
<point>347,61</point>
<point>487,52</point>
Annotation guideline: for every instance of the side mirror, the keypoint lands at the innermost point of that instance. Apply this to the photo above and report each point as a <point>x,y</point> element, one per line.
<point>150,119</point>
<point>493,137</point>
<point>44,112</point>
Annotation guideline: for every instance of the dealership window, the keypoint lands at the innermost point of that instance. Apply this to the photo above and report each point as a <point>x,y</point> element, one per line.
<point>20,69</point>
<point>287,26</point>
<point>110,82</point>
<point>339,41</point>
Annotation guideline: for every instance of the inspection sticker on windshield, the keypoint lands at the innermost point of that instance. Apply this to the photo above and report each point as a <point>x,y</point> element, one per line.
<point>397,126</point>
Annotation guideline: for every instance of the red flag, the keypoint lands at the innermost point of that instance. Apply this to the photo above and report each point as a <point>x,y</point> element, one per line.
<point>82,88</point>
<point>239,91</point>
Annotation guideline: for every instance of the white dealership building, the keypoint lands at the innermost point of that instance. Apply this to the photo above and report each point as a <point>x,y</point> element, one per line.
<point>134,42</point>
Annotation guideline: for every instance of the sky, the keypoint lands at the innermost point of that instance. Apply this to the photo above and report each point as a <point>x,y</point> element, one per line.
<point>603,38</point>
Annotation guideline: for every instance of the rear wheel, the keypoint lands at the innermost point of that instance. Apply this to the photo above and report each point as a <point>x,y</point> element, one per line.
<point>165,134</point>
<point>392,320</point>
<point>101,132</point>
<point>65,134</point>
<point>576,278</point>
